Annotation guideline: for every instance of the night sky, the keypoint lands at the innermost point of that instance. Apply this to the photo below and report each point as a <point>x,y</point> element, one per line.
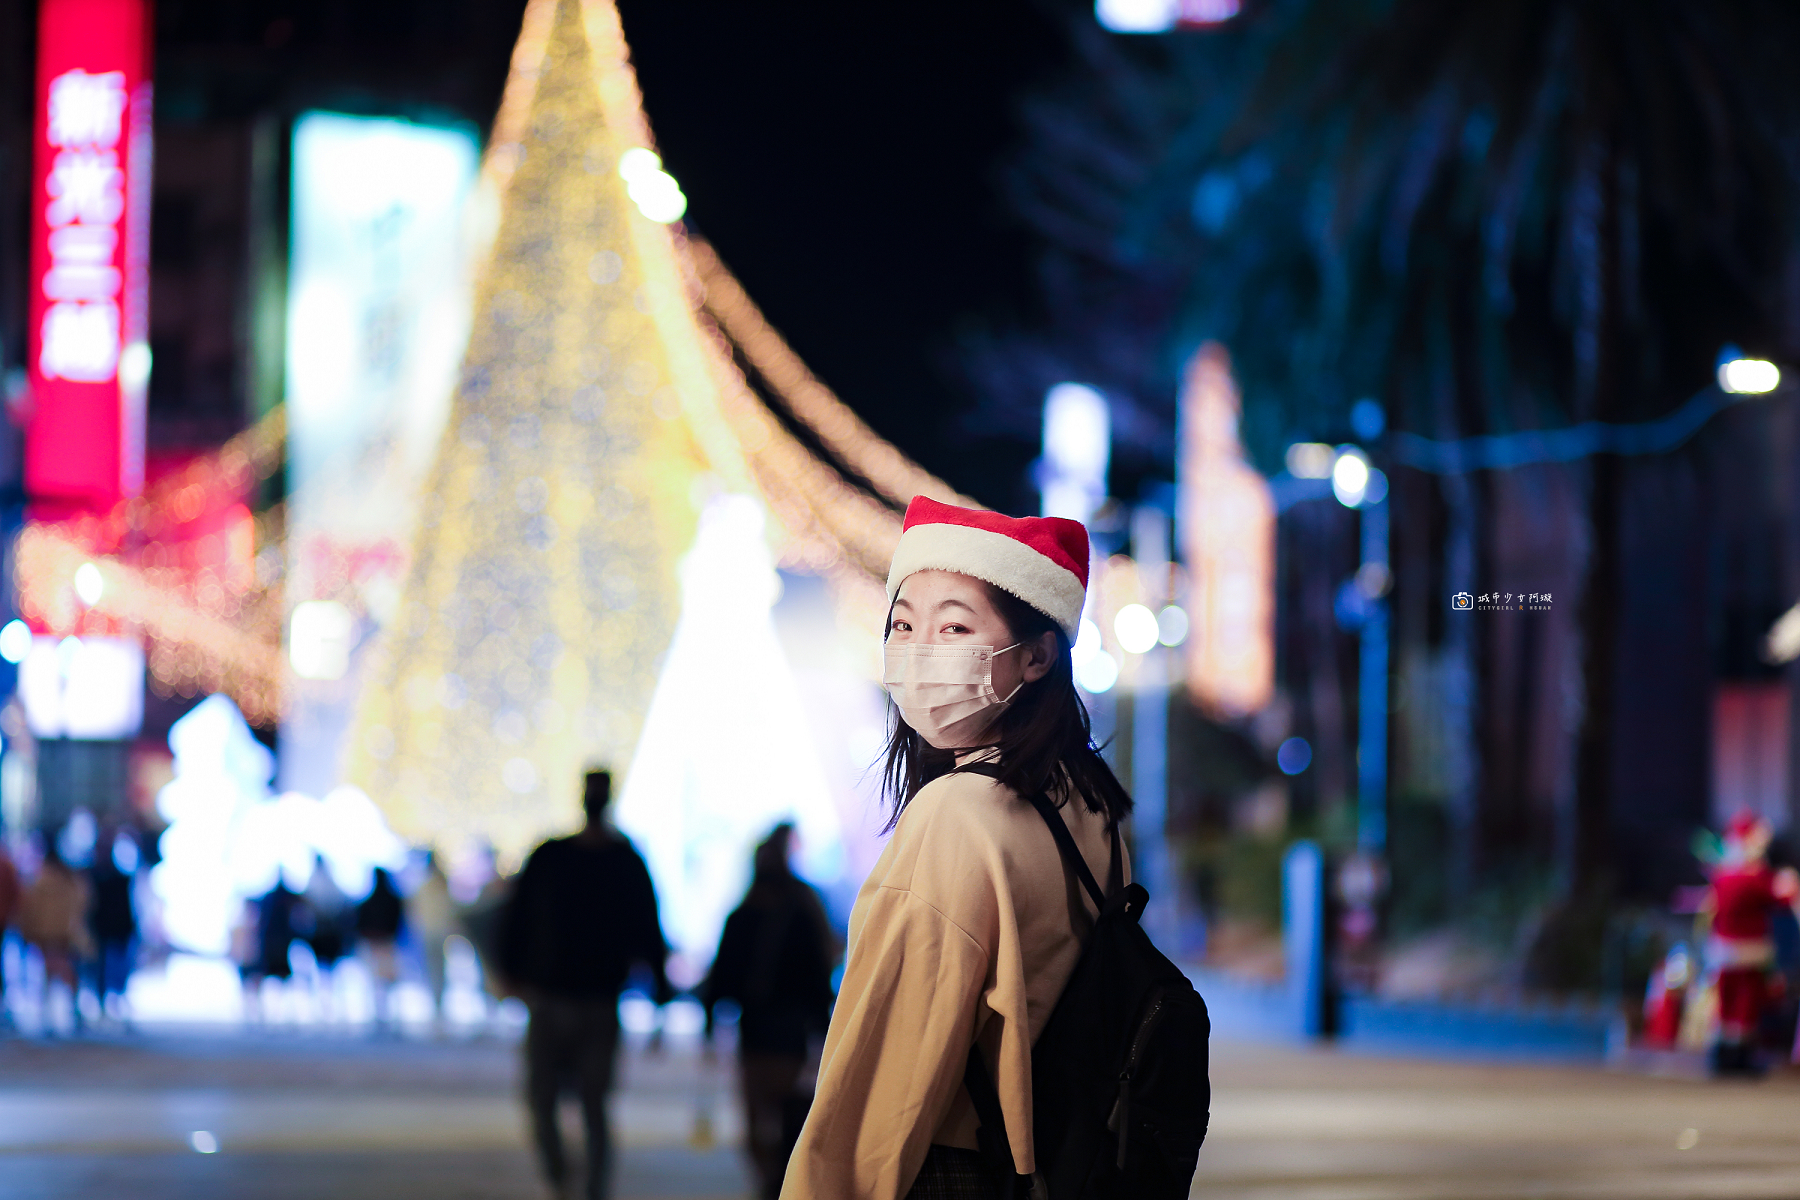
<point>844,160</point>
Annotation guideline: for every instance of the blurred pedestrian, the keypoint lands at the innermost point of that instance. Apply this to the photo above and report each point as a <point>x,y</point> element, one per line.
<point>12,894</point>
<point>245,949</point>
<point>276,911</point>
<point>431,915</point>
<point>54,920</point>
<point>486,895</point>
<point>774,961</point>
<point>584,912</point>
<point>324,922</point>
<point>113,917</point>
<point>379,919</point>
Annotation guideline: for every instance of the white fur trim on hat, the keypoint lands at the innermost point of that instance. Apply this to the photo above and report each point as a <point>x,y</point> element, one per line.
<point>1008,564</point>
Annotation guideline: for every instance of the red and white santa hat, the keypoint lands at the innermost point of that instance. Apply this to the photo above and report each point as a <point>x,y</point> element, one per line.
<point>1041,560</point>
<point>1746,827</point>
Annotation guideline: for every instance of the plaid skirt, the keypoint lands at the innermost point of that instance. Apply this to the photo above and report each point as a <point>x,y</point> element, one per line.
<point>952,1174</point>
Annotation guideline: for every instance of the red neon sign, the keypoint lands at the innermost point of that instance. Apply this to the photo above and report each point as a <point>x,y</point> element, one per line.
<point>90,240</point>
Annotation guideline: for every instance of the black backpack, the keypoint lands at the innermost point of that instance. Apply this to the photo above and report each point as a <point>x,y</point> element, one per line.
<point>1119,1089</point>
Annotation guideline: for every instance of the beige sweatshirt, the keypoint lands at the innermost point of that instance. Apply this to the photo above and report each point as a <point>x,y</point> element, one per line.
<point>967,927</point>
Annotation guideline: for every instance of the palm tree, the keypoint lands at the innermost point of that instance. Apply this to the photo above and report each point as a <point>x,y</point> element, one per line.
<point>1494,217</point>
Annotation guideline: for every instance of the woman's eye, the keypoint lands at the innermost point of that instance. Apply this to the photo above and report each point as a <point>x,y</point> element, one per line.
<point>956,629</point>
<point>902,627</point>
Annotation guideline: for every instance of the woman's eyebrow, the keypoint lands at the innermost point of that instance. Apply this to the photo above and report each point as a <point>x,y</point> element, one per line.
<point>966,607</point>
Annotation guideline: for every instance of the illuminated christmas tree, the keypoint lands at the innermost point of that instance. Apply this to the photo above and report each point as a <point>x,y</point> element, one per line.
<point>600,407</point>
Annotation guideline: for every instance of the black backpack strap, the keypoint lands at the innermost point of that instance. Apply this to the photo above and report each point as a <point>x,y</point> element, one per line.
<point>1065,842</point>
<point>996,1148</point>
<point>1115,871</point>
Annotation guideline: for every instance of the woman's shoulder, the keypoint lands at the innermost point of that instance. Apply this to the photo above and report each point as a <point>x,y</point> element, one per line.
<point>960,804</point>
<point>950,850</point>
<point>963,821</point>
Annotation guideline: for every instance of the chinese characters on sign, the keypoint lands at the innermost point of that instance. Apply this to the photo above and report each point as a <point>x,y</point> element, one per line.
<point>1501,602</point>
<point>88,360</point>
<point>79,334</point>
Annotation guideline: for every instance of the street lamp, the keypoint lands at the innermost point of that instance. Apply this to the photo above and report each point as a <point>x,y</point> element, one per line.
<point>1350,476</point>
<point>1358,485</point>
<point>1749,376</point>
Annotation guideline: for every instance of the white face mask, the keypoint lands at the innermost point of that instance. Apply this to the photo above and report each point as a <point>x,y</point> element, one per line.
<point>946,693</point>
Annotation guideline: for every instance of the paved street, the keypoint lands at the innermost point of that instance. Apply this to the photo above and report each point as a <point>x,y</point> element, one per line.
<point>1323,1126</point>
<point>297,1116</point>
<point>305,1116</point>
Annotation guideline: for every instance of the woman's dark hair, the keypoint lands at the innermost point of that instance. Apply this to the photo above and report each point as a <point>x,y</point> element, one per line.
<point>1044,740</point>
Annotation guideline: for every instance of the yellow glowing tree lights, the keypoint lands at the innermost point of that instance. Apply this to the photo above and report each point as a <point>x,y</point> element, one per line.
<point>198,639</point>
<point>599,407</point>
<point>581,434</point>
<point>1227,526</point>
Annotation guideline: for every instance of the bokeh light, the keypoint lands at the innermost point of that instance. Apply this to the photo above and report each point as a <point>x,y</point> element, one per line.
<point>1294,756</point>
<point>1098,674</point>
<point>1749,376</point>
<point>1172,625</point>
<point>1087,642</point>
<point>651,188</point>
<point>89,584</point>
<point>1136,628</point>
<point>15,641</point>
<point>1310,460</point>
<point>1350,477</point>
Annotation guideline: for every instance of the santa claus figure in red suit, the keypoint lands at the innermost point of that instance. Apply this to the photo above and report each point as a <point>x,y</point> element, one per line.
<point>1744,895</point>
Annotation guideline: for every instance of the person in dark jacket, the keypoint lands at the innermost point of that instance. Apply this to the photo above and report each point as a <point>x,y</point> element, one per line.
<point>583,913</point>
<point>113,916</point>
<point>378,922</point>
<point>324,917</point>
<point>12,899</point>
<point>774,962</point>
<point>275,912</point>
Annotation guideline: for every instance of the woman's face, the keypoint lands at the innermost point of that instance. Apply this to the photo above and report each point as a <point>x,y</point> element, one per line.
<point>942,608</point>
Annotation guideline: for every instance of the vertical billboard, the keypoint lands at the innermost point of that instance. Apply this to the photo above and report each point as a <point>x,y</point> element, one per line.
<point>378,316</point>
<point>88,360</point>
<point>1227,523</point>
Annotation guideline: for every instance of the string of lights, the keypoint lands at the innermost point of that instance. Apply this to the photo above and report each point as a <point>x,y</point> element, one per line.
<point>824,524</point>
<point>190,650</point>
<point>229,471</point>
<point>813,404</point>
<point>208,627</point>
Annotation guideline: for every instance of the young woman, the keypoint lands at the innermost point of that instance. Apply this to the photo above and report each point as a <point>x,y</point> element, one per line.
<point>968,927</point>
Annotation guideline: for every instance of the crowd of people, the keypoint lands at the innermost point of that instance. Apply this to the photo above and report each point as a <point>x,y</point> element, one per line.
<point>70,902</point>
<point>76,917</point>
<point>330,927</point>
